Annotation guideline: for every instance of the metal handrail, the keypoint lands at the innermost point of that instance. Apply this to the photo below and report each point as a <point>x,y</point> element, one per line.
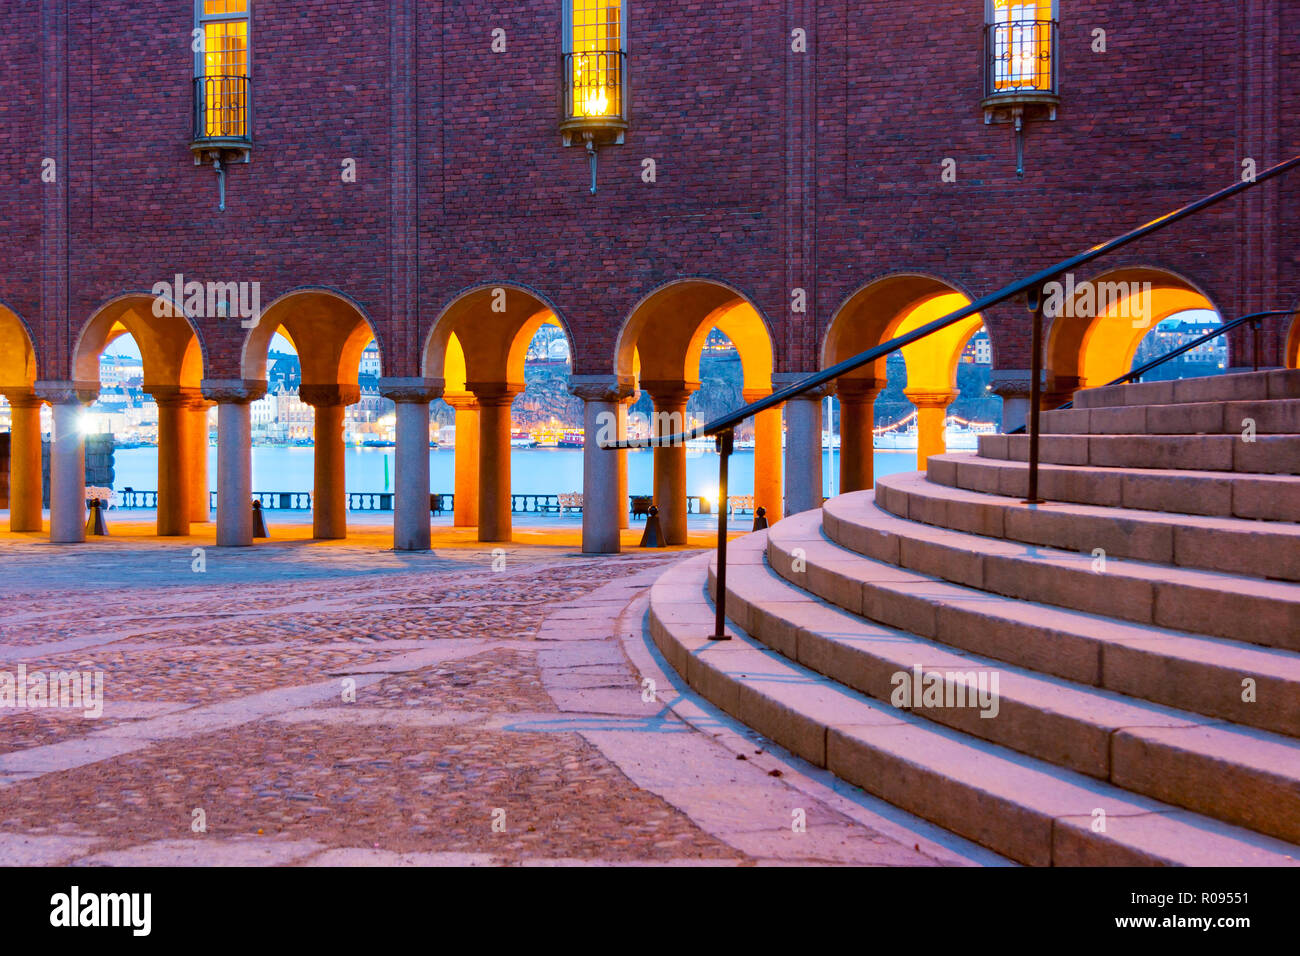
<point>1033,286</point>
<point>1254,318</point>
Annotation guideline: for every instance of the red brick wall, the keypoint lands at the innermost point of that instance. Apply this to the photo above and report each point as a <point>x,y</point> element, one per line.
<point>775,169</point>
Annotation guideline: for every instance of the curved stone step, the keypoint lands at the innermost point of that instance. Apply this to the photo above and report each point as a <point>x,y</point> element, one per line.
<point>1260,497</point>
<point>1229,545</point>
<point>1245,777</point>
<point>1202,675</point>
<point>1265,455</point>
<point>1277,417</point>
<point>1237,387</point>
<point>1204,602</point>
<point>1025,809</point>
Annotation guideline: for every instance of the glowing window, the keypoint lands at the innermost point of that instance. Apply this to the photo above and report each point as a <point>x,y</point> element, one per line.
<point>594,57</point>
<point>1021,45</point>
<point>222,68</point>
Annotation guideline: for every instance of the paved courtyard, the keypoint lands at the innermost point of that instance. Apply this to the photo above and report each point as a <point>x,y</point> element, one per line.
<point>307,703</point>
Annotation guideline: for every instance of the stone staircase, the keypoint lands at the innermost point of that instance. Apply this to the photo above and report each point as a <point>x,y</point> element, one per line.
<point>1141,631</point>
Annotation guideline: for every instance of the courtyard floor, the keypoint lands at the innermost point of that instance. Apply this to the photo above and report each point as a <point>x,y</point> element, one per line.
<point>314,704</point>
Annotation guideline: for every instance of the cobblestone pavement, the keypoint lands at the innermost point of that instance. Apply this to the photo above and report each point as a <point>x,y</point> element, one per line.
<point>341,704</point>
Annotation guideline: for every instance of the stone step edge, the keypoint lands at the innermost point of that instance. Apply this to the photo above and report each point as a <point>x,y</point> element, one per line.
<point>1274,498</point>
<point>1233,387</point>
<point>931,772</point>
<point>1266,613</point>
<point>1054,721</point>
<point>1218,454</point>
<point>1062,643</point>
<point>1188,418</point>
<point>912,496</point>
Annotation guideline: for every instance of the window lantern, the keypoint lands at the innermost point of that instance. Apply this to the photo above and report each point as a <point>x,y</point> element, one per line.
<point>594,76</point>
<point>223,130</point>
<point>1020,65</point>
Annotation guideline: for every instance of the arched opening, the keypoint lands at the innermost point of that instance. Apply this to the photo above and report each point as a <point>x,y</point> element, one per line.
<point>1181,328</point>
<point>1097,325</point>
<point>910,392</point>
<point>329,335</point>
<point>20,481</point>
<point>149,395</point>
<point>479,348</point>
<point>1291,355</point>
<point>686,335</point>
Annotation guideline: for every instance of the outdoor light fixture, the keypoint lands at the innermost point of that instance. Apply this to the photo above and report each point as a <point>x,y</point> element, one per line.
<point>1020,65</point>
<point>593,76</point>
<point>223,132</point>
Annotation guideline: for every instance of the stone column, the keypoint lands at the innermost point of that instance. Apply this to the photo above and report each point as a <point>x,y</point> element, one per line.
<point>601,494</point>
<point>494,400</point>
<point>411,483</point>
<point>67,458</point>
<point>25,493</point>
<point>234,458</point>
<point>175,456</point>
<point>857,438</point>
<point>804,490</point>
<point>767,457</point>
<point>196,430</point>
<point>931,413</point>
<point>329,499</point>
<point>624,505</point>
<point>1013,386</point>
<point>466,485</point>
<point>670,461</point>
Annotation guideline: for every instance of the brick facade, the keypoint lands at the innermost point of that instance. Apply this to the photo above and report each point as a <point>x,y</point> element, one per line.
<point>775,169</point>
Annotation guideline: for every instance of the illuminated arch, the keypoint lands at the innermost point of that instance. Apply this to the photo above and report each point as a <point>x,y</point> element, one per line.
<point>678,316</point>
<point>170,342</point>
<point>327,329</point>
<point>17,352</point>
<point>484,333</point>
<point>1085,352</point>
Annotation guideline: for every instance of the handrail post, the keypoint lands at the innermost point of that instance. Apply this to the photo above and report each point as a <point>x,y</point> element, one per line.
<point>1035,300</point>
<point>724,444</point>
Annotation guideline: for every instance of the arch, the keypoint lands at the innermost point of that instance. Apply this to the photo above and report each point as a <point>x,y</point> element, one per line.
<point>891,305</point>
<point>17,351</point>
<point>170,342</point>
<point>328,330</point>
<point>1088,346</point>
<point>1291,357</point>
<point>484,332</point>
<point>679,314</point>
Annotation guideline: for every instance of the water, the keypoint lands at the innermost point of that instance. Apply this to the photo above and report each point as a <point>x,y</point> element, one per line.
<point>534,471</point>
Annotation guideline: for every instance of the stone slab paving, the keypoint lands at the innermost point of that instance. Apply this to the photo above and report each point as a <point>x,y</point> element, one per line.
<point>342,705</point>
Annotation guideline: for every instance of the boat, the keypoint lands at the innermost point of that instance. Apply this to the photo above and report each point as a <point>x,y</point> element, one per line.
<point>572,438</point>
<point>521,439</point>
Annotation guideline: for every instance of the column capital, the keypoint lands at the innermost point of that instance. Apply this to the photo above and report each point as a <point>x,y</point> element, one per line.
<point>461,401</point>
<point>751,395</point>
<point>22,397</point>
<point>859,389</point>
<point>669,392</point>
<point>931,398</point>
<point>413,390</point>
<point>233,391</point>
<point>318,395</point>
<point>67,393</point>
<point>601,388</point>
<point>782,380</point>
<point>494,393</point>
<point>176,395</point>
